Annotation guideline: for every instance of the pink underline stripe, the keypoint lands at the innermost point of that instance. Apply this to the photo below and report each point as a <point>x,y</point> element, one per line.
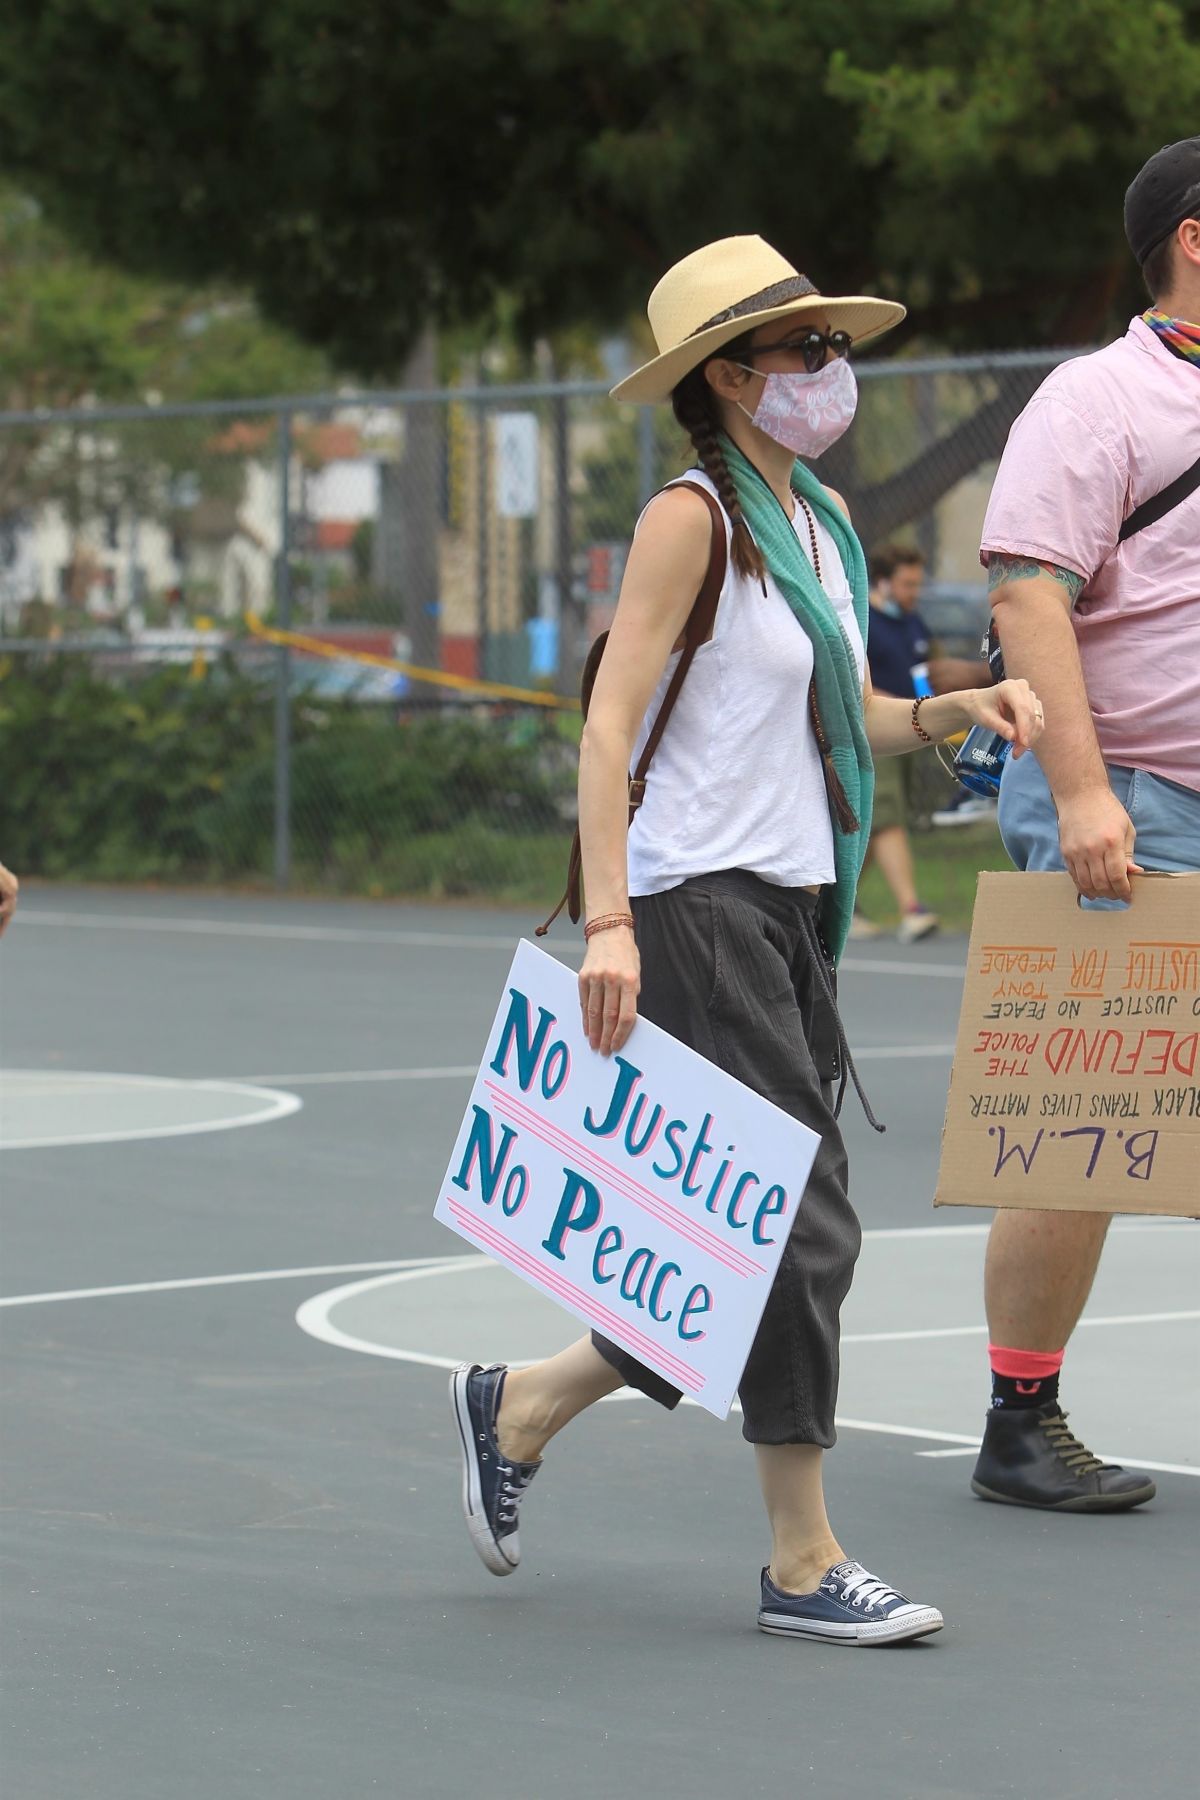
<point>558,1284</point>
<point>708,1240</point>
<point>662,1211</point>
<point>489,1236</point>
<point>494,1240</point>
<point>621,1175</point>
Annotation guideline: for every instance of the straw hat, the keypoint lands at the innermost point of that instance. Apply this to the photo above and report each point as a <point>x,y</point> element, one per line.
<point>727,288</point>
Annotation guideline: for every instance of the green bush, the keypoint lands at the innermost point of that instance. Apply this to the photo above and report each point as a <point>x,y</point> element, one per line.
<point>135,775</point>
<point>159,776</point>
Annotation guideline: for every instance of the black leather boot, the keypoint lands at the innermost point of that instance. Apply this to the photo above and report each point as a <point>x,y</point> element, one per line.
<point>1029,1457</point>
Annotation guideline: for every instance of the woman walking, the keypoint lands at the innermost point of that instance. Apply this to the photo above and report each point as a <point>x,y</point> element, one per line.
<point>720,912</point>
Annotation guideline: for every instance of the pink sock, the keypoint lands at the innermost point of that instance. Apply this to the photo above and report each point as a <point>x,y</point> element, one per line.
<point>1023,1378</point>
<point>1025,1365</point>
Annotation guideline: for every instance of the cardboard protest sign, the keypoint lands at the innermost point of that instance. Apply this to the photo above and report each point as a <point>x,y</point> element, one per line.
<point>649,1193</point>
<point>1076,1080</point>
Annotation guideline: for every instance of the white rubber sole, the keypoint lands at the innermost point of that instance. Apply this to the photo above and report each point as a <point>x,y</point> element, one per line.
<point>482,1536</point>
<point>918,934</point>
<point>919,1624</point>
<point>1097,1503</point>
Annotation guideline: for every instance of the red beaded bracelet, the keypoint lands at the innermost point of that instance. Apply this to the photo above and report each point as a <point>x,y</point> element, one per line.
<point>917,726</point>
<point>607,922</point>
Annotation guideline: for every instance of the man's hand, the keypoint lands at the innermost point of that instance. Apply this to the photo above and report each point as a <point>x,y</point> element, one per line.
<point>1032,603</point>
<point>8,897</point>
<point>1096,835</point>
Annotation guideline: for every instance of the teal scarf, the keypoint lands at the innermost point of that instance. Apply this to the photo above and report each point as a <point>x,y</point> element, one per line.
<point>838,689</point>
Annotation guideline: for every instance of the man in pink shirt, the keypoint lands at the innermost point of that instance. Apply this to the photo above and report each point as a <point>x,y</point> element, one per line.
<point>1092,546</point>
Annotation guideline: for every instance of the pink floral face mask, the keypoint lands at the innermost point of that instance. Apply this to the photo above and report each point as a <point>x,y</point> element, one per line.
<point>807,413</point>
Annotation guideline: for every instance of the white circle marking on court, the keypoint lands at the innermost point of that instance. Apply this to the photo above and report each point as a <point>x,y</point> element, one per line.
<point>491,1302</point>
<point>43,1109</point>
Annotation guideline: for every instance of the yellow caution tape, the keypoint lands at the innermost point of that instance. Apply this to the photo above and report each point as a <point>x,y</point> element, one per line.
<point>463,684</point>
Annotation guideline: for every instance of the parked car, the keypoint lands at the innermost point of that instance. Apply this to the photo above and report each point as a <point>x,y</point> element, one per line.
<point>956,614</point>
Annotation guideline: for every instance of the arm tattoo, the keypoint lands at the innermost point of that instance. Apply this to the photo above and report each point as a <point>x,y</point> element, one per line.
<point>1002,569</point>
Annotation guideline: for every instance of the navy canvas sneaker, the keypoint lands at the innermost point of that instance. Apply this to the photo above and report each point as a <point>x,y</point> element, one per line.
<point>493,1487</point>
<point>850,1606</point>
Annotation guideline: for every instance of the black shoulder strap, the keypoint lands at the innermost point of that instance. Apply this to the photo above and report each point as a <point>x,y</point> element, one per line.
<point>1159,505</point>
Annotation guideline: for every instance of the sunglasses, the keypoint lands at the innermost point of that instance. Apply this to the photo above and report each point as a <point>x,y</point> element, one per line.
<point>812,345</point>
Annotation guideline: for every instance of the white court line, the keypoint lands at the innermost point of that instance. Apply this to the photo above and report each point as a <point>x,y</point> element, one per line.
<point>331,1077</point>
<point>450,1072</point>
<point>953,1331</point>
<point>326,934</point>
<point>207,1281</point>
<point>459,1071</point>
<point>1122,1224</point>
<point>312,1317</point>
<point>963,1445</point>
<point>970,1445</point>
<point>278,1106</point>
<point>454,1261</point>
<point>861,965</point>
<point>423,940</point>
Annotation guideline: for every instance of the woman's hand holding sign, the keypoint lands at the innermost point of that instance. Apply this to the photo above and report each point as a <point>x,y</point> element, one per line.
<point>609,983</point>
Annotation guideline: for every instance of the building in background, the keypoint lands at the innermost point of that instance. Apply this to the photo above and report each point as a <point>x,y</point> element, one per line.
<point>482,536</point>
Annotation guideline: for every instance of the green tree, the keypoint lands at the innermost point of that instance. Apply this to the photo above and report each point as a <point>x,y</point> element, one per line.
<point>363,169</point>
<point>74,331</point>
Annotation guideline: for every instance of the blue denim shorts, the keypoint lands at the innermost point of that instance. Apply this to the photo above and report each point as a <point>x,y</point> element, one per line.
<point>1166,817</point>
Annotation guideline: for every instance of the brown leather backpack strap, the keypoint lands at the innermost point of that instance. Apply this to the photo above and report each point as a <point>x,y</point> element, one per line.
<point>591,667</point>
<point>573,896</point>
<point>697,631</point>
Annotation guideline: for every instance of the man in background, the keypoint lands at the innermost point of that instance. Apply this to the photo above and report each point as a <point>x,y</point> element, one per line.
<point>898,646</point>
<point>1092,547</point>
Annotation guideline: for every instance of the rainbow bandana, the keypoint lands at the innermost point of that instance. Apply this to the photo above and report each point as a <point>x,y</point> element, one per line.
<point>1180,338</point>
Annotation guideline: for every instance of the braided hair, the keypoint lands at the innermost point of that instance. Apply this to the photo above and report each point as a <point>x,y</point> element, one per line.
<point>695,406</point>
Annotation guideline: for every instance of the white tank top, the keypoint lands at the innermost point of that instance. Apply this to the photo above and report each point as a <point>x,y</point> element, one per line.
<point>737,782</point>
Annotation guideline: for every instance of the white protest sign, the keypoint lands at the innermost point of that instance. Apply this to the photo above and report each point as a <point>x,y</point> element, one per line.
<point>515,447</point>
<point>649,1193</point>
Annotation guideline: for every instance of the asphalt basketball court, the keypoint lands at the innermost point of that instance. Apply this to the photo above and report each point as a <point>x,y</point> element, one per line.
<point>235,1563</point>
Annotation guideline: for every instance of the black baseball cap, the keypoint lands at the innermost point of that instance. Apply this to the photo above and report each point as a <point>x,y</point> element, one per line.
<point>1161,195</point>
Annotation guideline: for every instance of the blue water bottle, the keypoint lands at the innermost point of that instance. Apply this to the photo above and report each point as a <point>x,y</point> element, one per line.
<point>983,752</point>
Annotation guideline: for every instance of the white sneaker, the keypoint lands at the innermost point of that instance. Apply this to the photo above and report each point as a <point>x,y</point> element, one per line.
<point>917,925</point>
<point>862,927</point>
<point>965,809</point>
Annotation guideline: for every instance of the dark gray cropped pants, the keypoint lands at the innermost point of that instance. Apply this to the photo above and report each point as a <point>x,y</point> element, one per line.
<point>728,969</point>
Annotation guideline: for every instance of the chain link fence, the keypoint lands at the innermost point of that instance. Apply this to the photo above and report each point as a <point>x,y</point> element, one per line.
<point>332,642</point>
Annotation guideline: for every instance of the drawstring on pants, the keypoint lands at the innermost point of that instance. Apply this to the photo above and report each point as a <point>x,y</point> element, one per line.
<point>817,951</point>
